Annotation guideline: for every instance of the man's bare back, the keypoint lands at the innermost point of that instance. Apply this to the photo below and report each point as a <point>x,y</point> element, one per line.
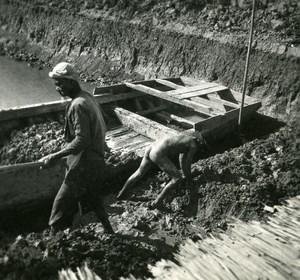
<point>182,145</point>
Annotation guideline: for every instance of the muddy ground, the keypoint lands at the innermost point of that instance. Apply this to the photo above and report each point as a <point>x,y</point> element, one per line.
<point>261,169</point>
<point>240,176</point>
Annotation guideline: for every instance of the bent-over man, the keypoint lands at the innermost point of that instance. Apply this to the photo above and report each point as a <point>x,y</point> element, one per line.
<point>183,145</point>
<point>85,136</point>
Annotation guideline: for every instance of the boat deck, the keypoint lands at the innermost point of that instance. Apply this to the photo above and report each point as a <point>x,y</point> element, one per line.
<point>125,140</point>
<point>138,113</point>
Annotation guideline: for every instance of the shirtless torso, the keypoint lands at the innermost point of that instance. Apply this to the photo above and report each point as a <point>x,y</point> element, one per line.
<point>159,153</point>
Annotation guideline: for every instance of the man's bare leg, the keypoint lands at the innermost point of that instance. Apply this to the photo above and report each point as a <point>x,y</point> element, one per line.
<point>167,166</point>
<point>138,174</point>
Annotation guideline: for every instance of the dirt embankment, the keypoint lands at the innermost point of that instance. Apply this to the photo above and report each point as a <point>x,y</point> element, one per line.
<point>113,41</point>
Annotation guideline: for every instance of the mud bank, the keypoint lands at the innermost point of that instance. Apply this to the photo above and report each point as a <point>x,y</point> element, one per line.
<point>110,44</point>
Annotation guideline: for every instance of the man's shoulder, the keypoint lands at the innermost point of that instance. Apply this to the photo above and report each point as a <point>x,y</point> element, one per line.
<point>82,101</point>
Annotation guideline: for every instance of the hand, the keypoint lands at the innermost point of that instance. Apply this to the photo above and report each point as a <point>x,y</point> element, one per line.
<point>48,160</point>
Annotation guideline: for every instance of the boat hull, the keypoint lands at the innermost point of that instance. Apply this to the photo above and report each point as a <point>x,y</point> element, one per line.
<point>138,114</point>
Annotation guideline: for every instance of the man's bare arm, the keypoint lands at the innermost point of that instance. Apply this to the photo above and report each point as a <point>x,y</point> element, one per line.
<point>185,161</point>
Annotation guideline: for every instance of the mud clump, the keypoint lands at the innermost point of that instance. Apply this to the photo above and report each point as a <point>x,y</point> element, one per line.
<point>32,143</point>
<point>37,256</point>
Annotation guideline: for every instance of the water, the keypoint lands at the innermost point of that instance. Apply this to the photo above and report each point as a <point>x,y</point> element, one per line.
<point>22,85</point>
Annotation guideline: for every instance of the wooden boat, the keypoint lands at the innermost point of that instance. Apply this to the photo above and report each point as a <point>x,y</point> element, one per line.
<point>138,113</point>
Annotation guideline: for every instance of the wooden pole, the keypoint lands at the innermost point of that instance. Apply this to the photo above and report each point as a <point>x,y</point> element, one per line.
<point>247,65</point>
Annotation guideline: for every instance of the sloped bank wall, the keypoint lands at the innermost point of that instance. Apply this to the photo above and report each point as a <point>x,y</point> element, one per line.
<point>114,50</point>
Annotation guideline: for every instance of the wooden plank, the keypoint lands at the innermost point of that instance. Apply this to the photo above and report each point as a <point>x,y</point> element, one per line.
<point>157,93</point>
<point>219,109</point>
<point>59,106</point>
<point>121,88</point>
<point>108,97</point>
<point>181,121</point>
<point>143,125</point>
<point>116,131</point>
<point>218,99</point>
<point>168,84</point>
<point>124,141</point>
<point>202,92</point>
<point>189,81</point>
<point>202,86</point>
<point>217,106</point>
<point>19,166</point>
<point>135,143</point>
<point>22,166</point>
<point>153,110</point>
<point>248,99</point>
<point>219,121</point>
<point>33,110</point>
<point>124,138</point>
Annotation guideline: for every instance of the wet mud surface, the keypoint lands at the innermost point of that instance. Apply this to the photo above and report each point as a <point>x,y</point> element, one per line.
<point>238,178</point>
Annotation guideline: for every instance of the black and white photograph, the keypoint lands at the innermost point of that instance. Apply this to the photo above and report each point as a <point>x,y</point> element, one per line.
<point>147,139</point>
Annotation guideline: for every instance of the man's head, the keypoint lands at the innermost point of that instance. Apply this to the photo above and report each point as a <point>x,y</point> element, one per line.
<point>203,138</point>
<point>66,79</point>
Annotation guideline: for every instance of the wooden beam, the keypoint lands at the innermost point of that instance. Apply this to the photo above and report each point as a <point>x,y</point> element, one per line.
<point>223,102</point>
<point>59,106</point>
<point>192,89</point>
<point>181,121</point>
<point>20,166</point>
<point>32,110</point>
<point>191,81</point>
<point>157,93</point>
<point>168,83</point>
<point>248,99</point>
<point>215,105</point>
<point>153,110</point>
<point>121,88</point>
<point>143,125</point>
<point>237,95</point>
<point>107,98</point>
<point>202,92</point>
<point>219,121</point>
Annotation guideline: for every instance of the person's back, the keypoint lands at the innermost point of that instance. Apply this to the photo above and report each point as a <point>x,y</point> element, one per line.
<point>174,145</point>
<point>182,145</point>
<point>90,114</point>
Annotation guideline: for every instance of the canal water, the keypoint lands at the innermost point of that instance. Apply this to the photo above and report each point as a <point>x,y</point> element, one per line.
<point>22,85</point>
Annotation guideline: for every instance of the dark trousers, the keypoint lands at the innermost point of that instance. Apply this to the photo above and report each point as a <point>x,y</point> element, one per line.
<point>82,183</point>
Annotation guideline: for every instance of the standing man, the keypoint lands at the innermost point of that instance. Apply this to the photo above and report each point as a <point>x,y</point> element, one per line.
<point>85,136</point>
<point>183,145</point>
